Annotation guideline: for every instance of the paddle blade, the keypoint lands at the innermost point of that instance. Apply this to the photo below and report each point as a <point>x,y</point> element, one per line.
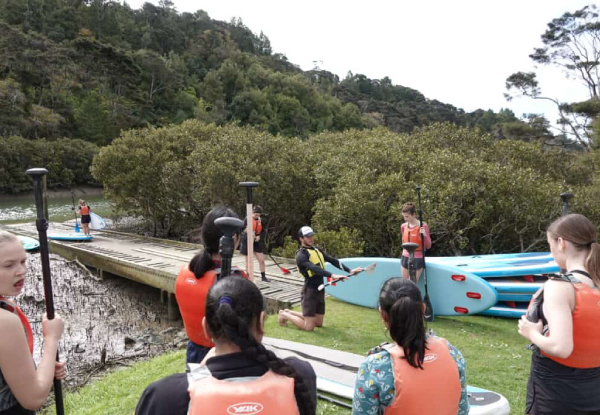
<point>429,315</point>
<point>370,268</point>
<point>77,227</point>
<point>321,287</point>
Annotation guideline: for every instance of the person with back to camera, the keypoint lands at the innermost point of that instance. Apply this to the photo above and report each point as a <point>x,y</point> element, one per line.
<point>84,210</point>
<point>239,370</point>
<point>259,234</point>
<point>413,232</point>
<point>194,281</point>
<point>562,325</point>
<point>398,378</point>
<point>311,264</point>
<point>23,387</point>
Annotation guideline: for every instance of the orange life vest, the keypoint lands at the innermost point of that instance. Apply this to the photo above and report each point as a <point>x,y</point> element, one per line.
<point>191,293</point>
<point>586,336</point>
<point>439,372</point>
<point>85,210</point>
<point>257,226</point>
<point>412,235</point>
<point>271,394</point>
<point>13,308</point>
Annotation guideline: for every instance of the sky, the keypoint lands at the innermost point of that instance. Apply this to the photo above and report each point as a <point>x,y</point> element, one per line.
<point>459,52</point>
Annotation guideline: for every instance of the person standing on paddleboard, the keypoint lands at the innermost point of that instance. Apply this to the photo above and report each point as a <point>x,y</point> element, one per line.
<point>259,234</point>
<point>239,375</point>
<point>23,387</point>
<point>417,374</point>
<point>562,325</point>
<point>412,232</point>
<point>84,210</point>
<point>311,264</point>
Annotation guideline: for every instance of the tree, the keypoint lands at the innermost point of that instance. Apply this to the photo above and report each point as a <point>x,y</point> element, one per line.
<point>572,43</point>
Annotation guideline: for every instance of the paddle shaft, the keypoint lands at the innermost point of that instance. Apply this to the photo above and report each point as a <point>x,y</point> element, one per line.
<point>429,309</point>
<point>42,226</point>
<point>327,284</point>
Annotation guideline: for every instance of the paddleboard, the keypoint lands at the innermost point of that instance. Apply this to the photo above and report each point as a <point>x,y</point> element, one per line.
<point>517,289</point>
<point>506,309</point>
<point>524,256</point>
<point>97,223</point>
<point>70,236</point>
<point>29,244</point>
<point>336,374</point>
<point>452,291</point>
<point>502,267</point>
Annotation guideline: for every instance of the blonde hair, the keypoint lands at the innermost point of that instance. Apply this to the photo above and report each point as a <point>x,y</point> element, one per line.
<point>7,237</point>
<point>81,201</point>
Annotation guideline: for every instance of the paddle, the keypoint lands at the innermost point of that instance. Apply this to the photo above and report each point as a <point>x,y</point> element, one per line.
<point>368,269</point>
<point>75,212</point>
<point>229,226</point>
<point>429,315</point>
<point>249,230</point>
<point>284,270</point>
<point>42,225</point>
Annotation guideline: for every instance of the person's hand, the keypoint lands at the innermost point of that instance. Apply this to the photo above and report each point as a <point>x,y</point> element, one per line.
<point>338,277</point>
<point>256,238</point>
<point>422,231</point>
<point>60,370</point>
<point>53,329</point>
<point>357,270</point>
<point>527,328</point>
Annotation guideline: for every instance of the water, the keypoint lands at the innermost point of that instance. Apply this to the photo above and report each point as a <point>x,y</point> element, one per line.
<point>21,209</point>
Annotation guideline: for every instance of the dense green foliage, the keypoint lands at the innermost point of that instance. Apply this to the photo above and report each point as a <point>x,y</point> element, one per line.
<point>480,194</point>
<point>67,160</point>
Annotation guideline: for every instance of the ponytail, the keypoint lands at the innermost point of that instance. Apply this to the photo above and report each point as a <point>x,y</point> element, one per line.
<point>233,305</point>
<point>592,262</point>
<point>400,300</point>
<point>201,263</point>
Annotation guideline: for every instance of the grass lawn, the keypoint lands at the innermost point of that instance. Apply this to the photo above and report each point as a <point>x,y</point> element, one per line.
<point>495,353</point>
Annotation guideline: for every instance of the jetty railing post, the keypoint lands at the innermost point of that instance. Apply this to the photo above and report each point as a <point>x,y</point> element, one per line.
<point>249,230</point>
<point>42,226</point>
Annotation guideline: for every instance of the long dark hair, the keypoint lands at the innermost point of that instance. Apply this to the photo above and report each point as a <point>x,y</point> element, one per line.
<point>233,306</point>
<point>400,300</point>
<point>211,234</point>
<point>581,232</point>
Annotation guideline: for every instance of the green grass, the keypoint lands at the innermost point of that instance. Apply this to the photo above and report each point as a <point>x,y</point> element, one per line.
<point>495,353</point>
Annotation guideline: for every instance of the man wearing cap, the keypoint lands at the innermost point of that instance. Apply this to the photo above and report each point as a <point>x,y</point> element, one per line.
<point>311,264</point>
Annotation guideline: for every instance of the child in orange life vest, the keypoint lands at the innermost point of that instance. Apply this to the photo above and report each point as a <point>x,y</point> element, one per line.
<point>239,371</point>
<point>23,387</point>
<point>398,378</point>
<point>562,323</point>
<point>194,281</point>
<point>413,232</point>
<point>258,247</point>
<point>86,218</point>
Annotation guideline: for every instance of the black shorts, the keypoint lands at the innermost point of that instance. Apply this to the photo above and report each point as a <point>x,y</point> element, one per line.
<point>86,218</point>
<point>313,302</point>
<point>420,262</point>
<point>258,247</point>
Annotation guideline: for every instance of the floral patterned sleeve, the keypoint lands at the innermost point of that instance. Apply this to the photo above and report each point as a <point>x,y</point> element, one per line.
<point>374,387</point>
<point>463,408</point>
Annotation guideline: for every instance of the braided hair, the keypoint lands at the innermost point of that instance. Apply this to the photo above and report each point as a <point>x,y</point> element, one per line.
<point>400,300</point>
<point>211,234</point>
<point>233,306</point>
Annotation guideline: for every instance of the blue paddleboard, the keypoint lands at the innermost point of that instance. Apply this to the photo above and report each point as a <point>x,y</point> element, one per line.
<point>452,291</point>
<point>97,223</point>
<point>517,289</point>
<point>502,267</point>
<point>503,309</point>
<point>29,244</point>
<point>70,236</point>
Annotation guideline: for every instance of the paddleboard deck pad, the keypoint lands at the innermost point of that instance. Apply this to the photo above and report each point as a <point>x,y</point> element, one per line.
<point>336,374</point>
<point>452,291</point>
<point>75,236</point>
<point>29,244</point>
<point>97,223</point>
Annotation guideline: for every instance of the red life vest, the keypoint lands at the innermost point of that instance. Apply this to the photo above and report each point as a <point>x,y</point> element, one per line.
<point>85,210</point>
<point>191,293</point>
<point>412,235</point>
<point>439,372</point>
<point>257,226</point>
<point>586,336</point>
<point>13,308</point>
<point>271,394</point>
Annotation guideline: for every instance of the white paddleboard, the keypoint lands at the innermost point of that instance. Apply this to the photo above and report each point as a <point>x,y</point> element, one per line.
<point>97,222</point>
<point>336,374</point>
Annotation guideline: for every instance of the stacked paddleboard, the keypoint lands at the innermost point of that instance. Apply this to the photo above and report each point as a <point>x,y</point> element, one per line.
<point>515,277</point>
<point>29,244</point>
<point>336,374</point>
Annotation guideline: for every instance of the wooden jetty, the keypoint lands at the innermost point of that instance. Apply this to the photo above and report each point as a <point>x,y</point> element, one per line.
<point>156,262</point>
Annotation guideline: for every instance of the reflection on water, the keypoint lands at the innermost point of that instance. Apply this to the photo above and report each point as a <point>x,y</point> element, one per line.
<point>22,209</point>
